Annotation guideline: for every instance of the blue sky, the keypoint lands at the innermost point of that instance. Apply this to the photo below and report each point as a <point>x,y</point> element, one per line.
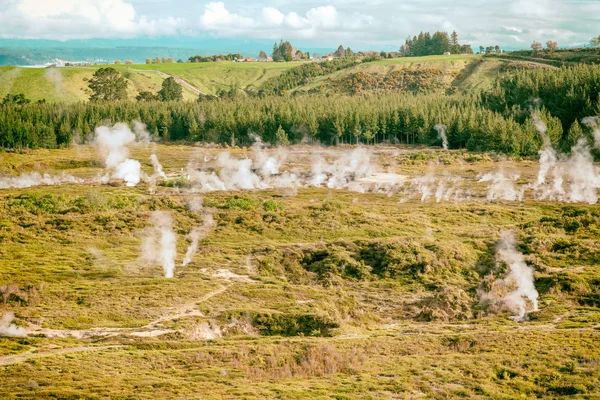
<point>359,24</point>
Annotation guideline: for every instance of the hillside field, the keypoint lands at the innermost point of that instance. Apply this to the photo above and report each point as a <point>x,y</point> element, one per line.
<point>70,84</point>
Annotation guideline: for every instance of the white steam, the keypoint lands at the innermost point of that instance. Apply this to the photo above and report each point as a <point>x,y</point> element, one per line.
<point>158,172</point>
<point>444,188</point>
<point>196,235</point>
<point>8,329</point>
<point>349,170</point>
<point>576,169</point>
<point>36,179</point>
<point>112,145</point>
<point>441,130</point>
<point>502,186</point>
<point>159,247</point>
<point>516,290</point>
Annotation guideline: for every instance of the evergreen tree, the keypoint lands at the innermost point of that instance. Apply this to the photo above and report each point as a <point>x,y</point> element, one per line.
<point>276,54</point>
<point>146,96</point>
<point>108,85</point>
<point>281,137</point>
<point>171,90</point>
<point>15,99</point>
<point>574,134</point>
<point>455,46</point>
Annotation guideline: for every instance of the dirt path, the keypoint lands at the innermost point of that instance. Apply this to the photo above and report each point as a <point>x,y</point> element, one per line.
<point>186,310</point>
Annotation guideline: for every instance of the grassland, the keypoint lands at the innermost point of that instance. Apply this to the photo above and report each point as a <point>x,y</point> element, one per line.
<point>557,58</point>
<point>283,323</point>
<point>70,84</point>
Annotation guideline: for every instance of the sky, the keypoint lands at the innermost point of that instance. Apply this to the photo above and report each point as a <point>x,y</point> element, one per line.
<point>359,24</point>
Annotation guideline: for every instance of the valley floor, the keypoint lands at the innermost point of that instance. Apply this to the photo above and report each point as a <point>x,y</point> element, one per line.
<point>368,290</point>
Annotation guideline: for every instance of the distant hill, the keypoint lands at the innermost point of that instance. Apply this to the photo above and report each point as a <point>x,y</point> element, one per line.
<point>560,57</point>
<point>432,73</point>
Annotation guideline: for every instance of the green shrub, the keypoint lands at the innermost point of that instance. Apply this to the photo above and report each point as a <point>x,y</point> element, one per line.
<point>271,205</point>
<point>243,203</point>
<point>292,325</point>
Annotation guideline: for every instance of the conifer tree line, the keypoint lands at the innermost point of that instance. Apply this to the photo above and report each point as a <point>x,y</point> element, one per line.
<point>498,120</point>
<point>215,58</point>
<point>426,44</point>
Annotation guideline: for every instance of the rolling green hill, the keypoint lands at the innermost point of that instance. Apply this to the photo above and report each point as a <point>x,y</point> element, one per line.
<point>557,58</point>
<point>464,72</point>
<point>449,67</point>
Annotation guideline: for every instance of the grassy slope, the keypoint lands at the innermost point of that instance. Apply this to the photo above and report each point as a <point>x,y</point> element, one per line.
<point>70,84</point>
<point>470,78</point>
<point>561,57</point>
<point>210,77</point>
<point>92,277</point>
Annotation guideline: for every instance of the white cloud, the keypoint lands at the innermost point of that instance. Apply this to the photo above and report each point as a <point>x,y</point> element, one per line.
<point>216,17</point>
<point>513,29</point>
<point>272,16</point>
<point>323,17</point>
<point>356,23</point>
<point>273,23</point>
<point>66,19</point>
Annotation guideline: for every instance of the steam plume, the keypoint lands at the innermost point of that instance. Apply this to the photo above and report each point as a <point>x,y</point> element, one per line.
<point>8,329</point>
<point>158,172</point>
<point>441,130</point>
<point>516,290</point>
<point>36,179</point>
<point>159,247</point>
<point>502,186</point>
<point>579,167</point>
<point>112,145</point>
<point>196,235</point>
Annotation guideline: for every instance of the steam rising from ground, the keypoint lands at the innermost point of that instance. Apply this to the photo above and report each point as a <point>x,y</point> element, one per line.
<point>568,178</point>
<point>352,170</point>
<point>8,329</point>
<point>561,177</point>
<point>502,186</point>
<point>159,247</point>
<point>578,168</point>
<point>516,290</point>
<point>36,179</point>
<point>441,130</point>
<point>444,188</point>
<point>196,235</point>
<point>112,145</point>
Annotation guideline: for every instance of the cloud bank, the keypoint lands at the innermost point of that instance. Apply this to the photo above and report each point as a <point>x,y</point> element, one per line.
<point>512,23</point>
